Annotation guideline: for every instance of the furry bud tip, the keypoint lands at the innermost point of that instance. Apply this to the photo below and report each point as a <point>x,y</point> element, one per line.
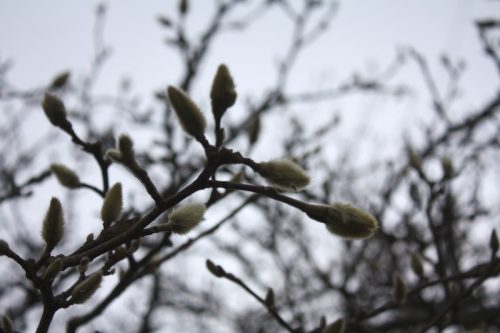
<point>65,176</point>
<point>53,269</point>
<point>112,205</point>
<point>223,93</point>
<point>55,111</point>
<point>184,219</point>
<point>85,289</point>
<point>53,224</point>
<point>192,120</point>
<point>284,174</point>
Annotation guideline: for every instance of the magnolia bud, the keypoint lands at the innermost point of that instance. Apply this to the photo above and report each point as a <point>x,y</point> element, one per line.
<point>186,218</point>
<point>183,6</point>
<point>216,270</point>
<point>253,130</point>
<point>192,120</point>
<point>53,224</point>
<point>126,148</point>
<point>85,289</point>
<point>83,265</point>
<point>53,269</point>
<point>65,176</point>
<point>113,155</point>
<point>398,289</point>
<point>447,166</point>
<point>344,220</point>
<point>337,326</point>
<point>55,111</point>
<point>60,80</point>
<point>112,205</point>
<point>284,174</point>
<point>416,264</point>
<point>222,94</point>
<point>269,300</point>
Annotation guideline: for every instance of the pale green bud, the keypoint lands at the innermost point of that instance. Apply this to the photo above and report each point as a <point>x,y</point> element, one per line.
<point>53,269</point>
<point>65,176</point>
<point>112,205</point>
<point>417,265</point>
<point>192,120</point>
<point>184,219</point>
<point>284,174</point>
<point>55,111</point>
<point>53,224</point>
<point>113,155</point>
<point>398,289</point>
<point>222,94</point>
<point>85,289</point>
<point>337,326</point>
<point>344,220</point>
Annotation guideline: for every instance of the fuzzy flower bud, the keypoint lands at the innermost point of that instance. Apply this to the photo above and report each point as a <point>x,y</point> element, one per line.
<point>112,205</point>
<point>53,224</point>
<point>126,148</point>
<point>284,174</point>
<point>65,176</point>
<point>53,269</point>
<point>60,80</point>
<point>222,94</point>
<point>270,300</point>
<point>416,264</point>
<point>398,289</point>
<point>184,219</point>
<point>216,270</point>
<point>113,155</point>
<point>344,220</point>
<point>192,120</point>
<point>55,111</point>
<point>85,289</point>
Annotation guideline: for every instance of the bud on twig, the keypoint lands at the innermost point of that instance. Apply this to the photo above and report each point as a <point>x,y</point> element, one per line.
<point>344,220</point>
<point>85,289</point>
<point>184,219</point>
<point>284,174</point>
<point>53,224</point>
<point>60,80</point>
<point>336,327</point>
<point>192,120</point>
<point>216,270</point>
<point>83,265</point>
<point>269,300</point>
<point>53,269</point>
<point>55,111</point>
<point>113,155</point>
<point>447,166</point>
<point>65,176</point>
<point>494,242</point>
<point>126,148</point>
<point>398,289</point>
<point>112,205</point>
<point>222,94</point>
<point>417,265</point>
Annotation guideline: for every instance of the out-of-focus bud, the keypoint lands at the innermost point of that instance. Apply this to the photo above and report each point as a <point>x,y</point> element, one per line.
<point>192,120</point>
<point>344,220</point>
<point>494,242</point>
<point>183,6</point>
<point>53,224</point>
<point>55,111</point>
<point>7,324</point>
<point>60,80</point>
<point>85,289</point>
<point>447,166</point>
<point>65,176</point>
<point>269,300</point>
<point>112,205</point>
<point>53,269</point>
<point>113,155</point>
<point>253,130</point>
<point>83,265</point>
<point>184,219</point>
<point>417,265</point>
<point>398,289</point>
<point>126,148</point>
<point>216,270</point>
<point>336,327</point>
<point>414,160</point>
<point>284,174</point>
<point>223,93</point>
